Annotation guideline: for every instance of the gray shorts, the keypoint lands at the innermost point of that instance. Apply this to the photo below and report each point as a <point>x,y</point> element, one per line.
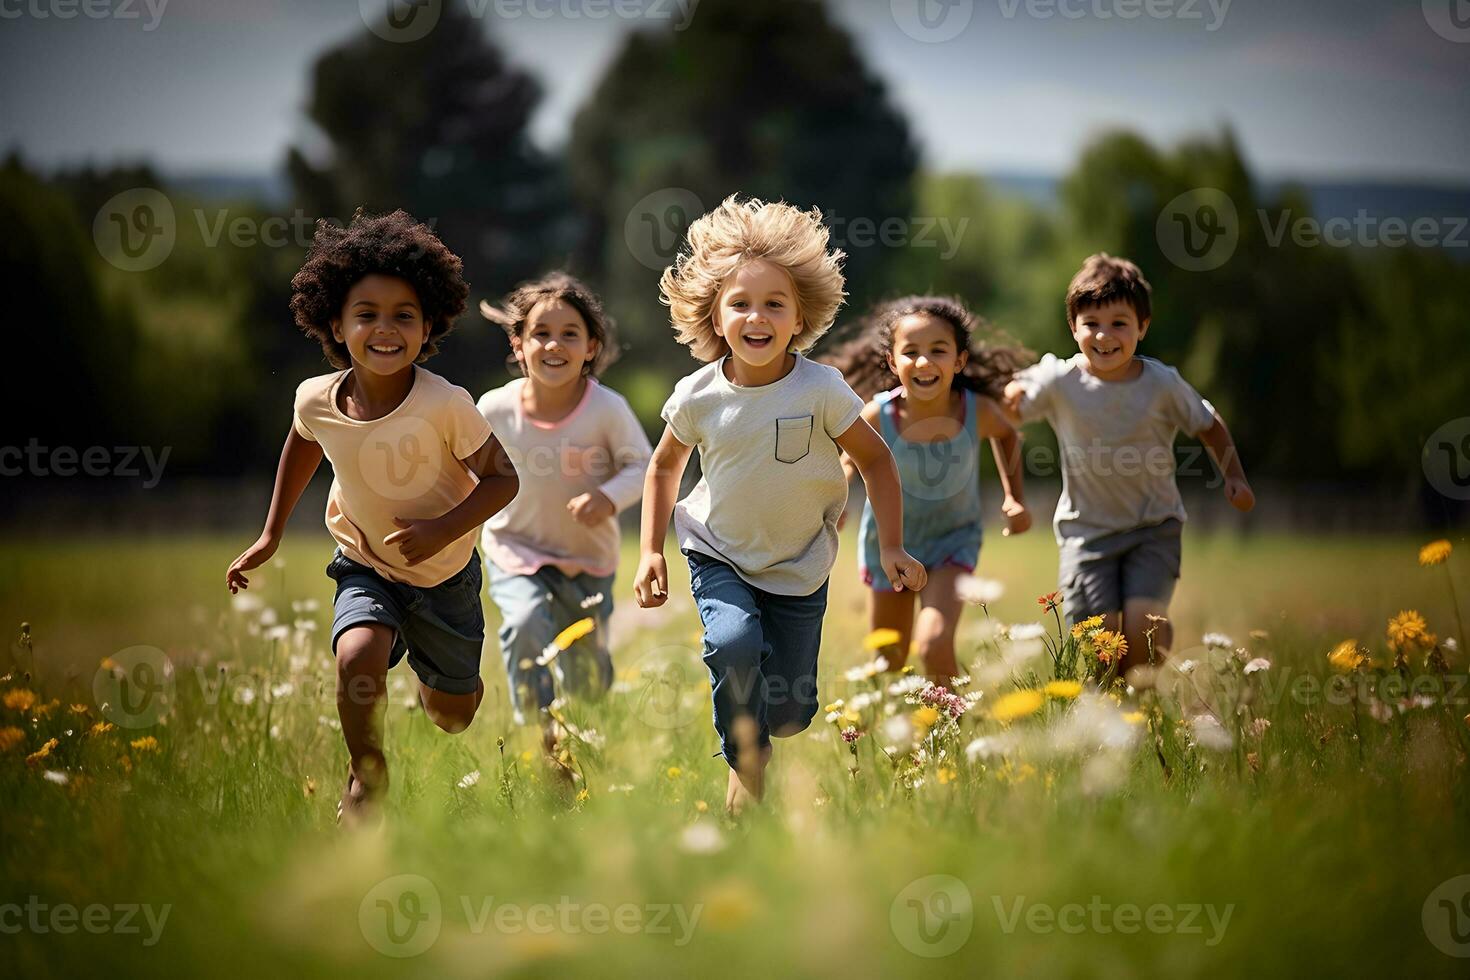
<point>440,628</point>
<point>1098,577</point>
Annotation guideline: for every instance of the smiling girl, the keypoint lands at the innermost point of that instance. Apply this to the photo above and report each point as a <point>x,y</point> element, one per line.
<point>580,452</point>
<point>756,288</point>
<point>933,390</point>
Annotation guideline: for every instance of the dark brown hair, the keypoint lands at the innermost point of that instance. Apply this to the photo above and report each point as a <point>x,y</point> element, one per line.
<point>863,359</point>
<point>515,310</point>
<point>390,244</point>
<point>1104,279</point>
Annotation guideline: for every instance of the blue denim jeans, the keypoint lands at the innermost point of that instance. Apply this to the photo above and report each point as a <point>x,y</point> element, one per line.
<point>761,651</point>
<point>533,610</point>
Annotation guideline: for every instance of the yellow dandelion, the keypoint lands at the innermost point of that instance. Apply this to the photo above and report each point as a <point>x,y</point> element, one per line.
<point>925,717</point>
<point>1434,553</point>
<point>1065,690</point>
<point>907,669</point>
<point>145,744</point>
<point>20,699</point>
<point>945,775</point>
<point>101,728</point>
<point>674,772</point>
<point>526,756</point>
<point>1133,717</point>
<point>881,638</point>
<point>1024,772</point>
<point>701,806</point>
<point>42,752</point>
<point>1086,626</point>
<point>1408,629</point>
<point>1017,704</point>
<point>1347,657</point>
<point>10,737</point>
<point>583,796</point>
<point>574,632</point>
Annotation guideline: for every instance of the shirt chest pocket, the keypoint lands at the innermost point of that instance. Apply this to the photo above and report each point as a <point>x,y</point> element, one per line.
<point>793,438</point>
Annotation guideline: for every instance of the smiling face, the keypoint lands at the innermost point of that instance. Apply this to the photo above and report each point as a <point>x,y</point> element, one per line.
<point>756,313</point>
<point>926,356</point>
<point>555,345</point>
<point>382,324</point>
<point>1107,336</point>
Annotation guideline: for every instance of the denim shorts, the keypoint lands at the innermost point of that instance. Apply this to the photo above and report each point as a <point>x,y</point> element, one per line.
<point>1098,577</point>
<point>440,628</point>
<point>761,651</point>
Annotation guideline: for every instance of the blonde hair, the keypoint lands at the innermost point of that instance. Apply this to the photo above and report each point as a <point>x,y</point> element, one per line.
<point>734,233</point>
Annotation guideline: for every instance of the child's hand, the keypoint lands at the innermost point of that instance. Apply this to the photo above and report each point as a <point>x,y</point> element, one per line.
<point>651,584</point>
<point>1239,493</point>
<point>1011,398</point>
<point>1018,518</point>
<point>591,508</point>
<point>419,540</point>
<point>252,557</point>
<point>903,570</point>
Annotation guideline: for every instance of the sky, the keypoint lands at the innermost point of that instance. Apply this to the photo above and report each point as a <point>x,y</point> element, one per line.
<point>1318,89</point>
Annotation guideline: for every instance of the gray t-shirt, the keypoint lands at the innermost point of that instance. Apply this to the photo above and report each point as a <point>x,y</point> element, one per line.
<point>1116,440</point>
<point>772,487</point>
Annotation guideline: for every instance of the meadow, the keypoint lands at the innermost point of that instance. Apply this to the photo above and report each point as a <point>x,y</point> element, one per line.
<point>170,766</point>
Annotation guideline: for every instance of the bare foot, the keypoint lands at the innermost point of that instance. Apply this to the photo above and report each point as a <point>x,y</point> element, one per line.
<point>747,785</point>
<point>362,798</point>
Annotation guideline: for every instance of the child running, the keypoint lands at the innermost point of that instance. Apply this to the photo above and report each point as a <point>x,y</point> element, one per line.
<point>416,472</point>
<point>1119,519</point>
<point>934,393</point>
<point>754,289</point>
<point>581,455</point>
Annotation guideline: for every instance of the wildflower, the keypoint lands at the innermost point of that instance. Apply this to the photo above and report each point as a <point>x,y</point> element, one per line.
<point>79,709</point>
<point>145,744</point>
<point>945,775</point>
<point>42,752</point>
<point>19,699</point>
<point>1218,641</point>
<point>1259,726</point>
<point>1155,619</point>
<point>1086,626</point>
<point>55,776</point>
<point>1133,717</point>
<point>1407,630</point>
<point>882,638</point>
<point>851,735</point>
<point>10,737</point>
<point>1017,704</point>
<point>1050,601</point>
<point>701,837</point>
<point>978,591</point>
<point>1347,656</point>
<point>941,699</point>
<point>470,779</point>
<point>674,772</point>
<point>1434,553</point>
<point>1258,664</point>
<point>1110,646</point>
<point>1023,632</point>
<point>1065,690</point>
<point>925,717</point>
<point>868,670</point>
<point>574,632</point>
<point>583,795</point>
<point>101,728</point>
<point>1186,666</point>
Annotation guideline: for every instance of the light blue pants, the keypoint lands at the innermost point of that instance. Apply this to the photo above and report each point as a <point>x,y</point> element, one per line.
<point>533,610</point>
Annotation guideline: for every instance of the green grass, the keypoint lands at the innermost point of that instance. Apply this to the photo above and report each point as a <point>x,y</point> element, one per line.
<point>1324,847</point>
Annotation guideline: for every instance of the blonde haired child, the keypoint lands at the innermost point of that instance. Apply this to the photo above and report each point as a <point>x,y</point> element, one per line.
<point>754,288</point>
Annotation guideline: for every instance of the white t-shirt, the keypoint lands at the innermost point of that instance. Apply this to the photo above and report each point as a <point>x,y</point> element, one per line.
<point>772,487</point>
<point>1116,440</point>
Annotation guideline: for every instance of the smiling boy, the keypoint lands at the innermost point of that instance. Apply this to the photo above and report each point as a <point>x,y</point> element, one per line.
<point>1116,415</point>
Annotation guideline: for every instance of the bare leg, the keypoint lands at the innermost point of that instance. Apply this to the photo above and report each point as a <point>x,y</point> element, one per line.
<point>362,682</point>
<point>747,783</point>
<point>939,615</point>
<point>451,712</point>
<point>893,611</point>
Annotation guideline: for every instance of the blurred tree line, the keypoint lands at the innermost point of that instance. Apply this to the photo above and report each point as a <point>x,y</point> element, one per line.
<point>1328,363</point>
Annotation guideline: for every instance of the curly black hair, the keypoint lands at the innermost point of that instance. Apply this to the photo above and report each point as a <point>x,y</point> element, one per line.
<point>863,358</point>
<point>394,244</point>
<point>513,312</point>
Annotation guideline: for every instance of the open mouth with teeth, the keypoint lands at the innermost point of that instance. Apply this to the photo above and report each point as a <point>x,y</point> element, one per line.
<point>926,383</point>
<point>758,341</point>
<point>1102,351</point>
<point>386,349</point>
<point>553,362</point>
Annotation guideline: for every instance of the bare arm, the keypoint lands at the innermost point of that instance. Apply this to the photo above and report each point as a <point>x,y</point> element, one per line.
<point>1222,450</point>
<point>299,459</point>
<point>660,491</point>
<point>1005,445</point>
<point>849,468</point>
<point>422,539</point>
<point>871,456</point>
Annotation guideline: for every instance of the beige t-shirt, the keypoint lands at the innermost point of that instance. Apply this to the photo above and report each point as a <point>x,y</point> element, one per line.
<point>773,486</point>
<point>406,464</point>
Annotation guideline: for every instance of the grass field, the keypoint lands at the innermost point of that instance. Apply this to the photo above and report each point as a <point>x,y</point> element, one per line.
<point>195,836</point>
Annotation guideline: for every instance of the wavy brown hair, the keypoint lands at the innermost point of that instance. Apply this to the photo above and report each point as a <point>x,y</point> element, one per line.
<point>513,312</point>
<point>864,357</point>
